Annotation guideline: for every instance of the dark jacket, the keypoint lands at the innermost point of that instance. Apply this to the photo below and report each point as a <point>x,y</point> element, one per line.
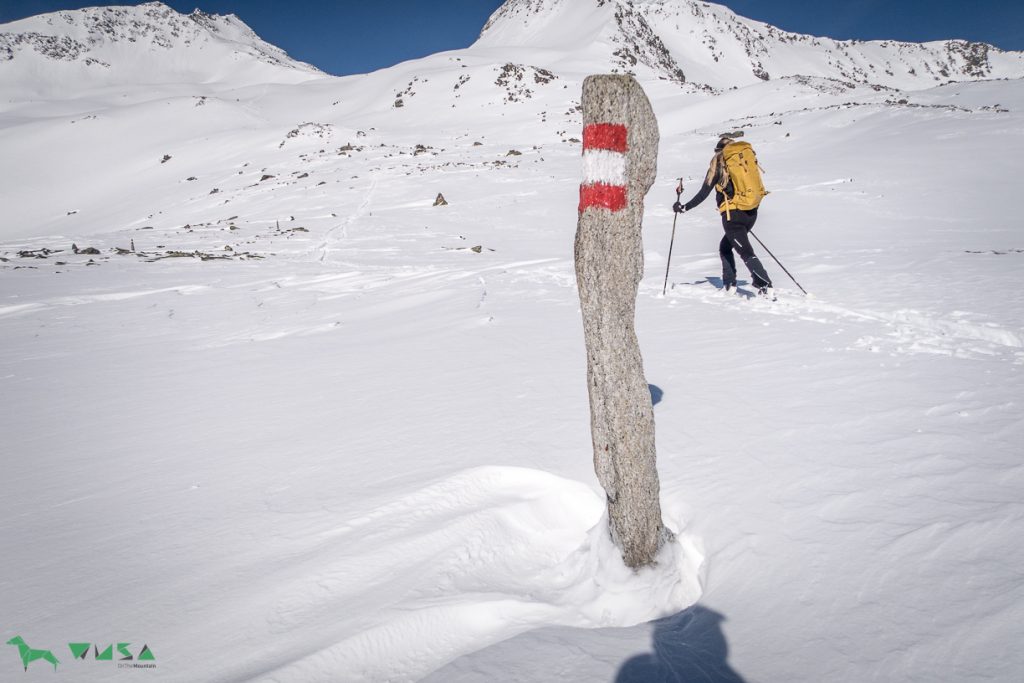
<point>705,190</point>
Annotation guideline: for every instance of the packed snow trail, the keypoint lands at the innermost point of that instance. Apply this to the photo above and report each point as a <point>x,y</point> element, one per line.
<point>902,331</point>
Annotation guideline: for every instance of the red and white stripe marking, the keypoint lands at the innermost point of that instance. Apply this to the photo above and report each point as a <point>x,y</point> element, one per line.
<point>604,166</point>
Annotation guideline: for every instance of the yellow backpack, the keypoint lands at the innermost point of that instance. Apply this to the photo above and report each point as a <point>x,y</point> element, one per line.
<point>745,174</point>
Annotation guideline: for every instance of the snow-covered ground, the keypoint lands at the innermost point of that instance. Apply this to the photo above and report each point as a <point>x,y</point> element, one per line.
<point>310,427</point>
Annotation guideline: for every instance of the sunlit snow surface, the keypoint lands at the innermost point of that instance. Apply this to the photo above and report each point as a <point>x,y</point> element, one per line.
<point>305,432</point>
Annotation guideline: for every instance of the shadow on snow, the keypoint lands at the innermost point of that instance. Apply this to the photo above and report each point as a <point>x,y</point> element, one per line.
<point>689,647</point>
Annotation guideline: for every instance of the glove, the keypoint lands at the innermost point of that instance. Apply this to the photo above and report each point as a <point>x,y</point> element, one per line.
<point>678,208</point>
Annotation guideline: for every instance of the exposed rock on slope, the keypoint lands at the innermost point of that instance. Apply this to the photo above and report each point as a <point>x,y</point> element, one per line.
<point>707,44</point>
<point>149,43</point>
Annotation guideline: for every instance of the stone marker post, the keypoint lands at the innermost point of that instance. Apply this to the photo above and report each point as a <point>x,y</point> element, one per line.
<point>620,149</point>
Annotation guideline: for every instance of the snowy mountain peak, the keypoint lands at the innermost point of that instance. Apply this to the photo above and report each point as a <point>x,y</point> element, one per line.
<point>148,43</point>
<point>701,43</point>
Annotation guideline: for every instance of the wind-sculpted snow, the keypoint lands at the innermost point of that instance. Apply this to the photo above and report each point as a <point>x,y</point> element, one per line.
<point>443,586</point>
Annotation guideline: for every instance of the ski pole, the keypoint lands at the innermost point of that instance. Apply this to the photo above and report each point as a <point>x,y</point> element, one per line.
<point>679,192</point>
<point>779,262</point>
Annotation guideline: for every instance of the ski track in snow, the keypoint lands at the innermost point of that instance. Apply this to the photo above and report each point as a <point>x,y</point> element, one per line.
<point>903,331</point>
<point>324,247</point>
<point>900,332</point>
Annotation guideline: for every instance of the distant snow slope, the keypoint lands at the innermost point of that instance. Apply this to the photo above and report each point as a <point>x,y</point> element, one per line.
<point>272,413</point>
<point>709,45</point>
<point>58,55</point>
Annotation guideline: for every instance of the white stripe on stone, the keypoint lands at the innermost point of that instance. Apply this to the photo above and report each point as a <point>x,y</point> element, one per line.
<point>603,166</point>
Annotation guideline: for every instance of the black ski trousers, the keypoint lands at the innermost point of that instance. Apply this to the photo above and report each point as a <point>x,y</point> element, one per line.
<point>737,228</point>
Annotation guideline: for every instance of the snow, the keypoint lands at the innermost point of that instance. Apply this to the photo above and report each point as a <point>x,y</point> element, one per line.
<point>51,54</point>
<point>311,427</point>
<point>714,47</point>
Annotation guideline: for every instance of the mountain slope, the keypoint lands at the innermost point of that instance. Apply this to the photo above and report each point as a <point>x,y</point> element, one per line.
<point>145,44</point>
<point>707,44</point>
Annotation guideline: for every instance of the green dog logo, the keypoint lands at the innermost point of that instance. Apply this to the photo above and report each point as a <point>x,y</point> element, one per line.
<point>30,655</point>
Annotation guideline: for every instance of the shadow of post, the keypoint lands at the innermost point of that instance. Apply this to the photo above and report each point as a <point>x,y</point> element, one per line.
<point>656,394</point>
<point>688,648</point>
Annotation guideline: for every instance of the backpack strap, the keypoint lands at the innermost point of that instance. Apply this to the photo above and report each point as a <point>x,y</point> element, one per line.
<point>722,179</point>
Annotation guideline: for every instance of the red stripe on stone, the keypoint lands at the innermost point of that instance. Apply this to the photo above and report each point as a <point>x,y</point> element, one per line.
<point>612,197</point>
<point>610,136</point>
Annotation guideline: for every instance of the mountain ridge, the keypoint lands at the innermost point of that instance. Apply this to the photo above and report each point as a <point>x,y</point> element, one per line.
<point>690,41</point>
<point>147,43</point>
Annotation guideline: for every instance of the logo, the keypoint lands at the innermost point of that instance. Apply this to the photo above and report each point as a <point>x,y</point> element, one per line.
<point>29,655</point>
<point>126,660</point>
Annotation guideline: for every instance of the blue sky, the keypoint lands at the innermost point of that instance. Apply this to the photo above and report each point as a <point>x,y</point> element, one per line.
<point>356,36</point>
